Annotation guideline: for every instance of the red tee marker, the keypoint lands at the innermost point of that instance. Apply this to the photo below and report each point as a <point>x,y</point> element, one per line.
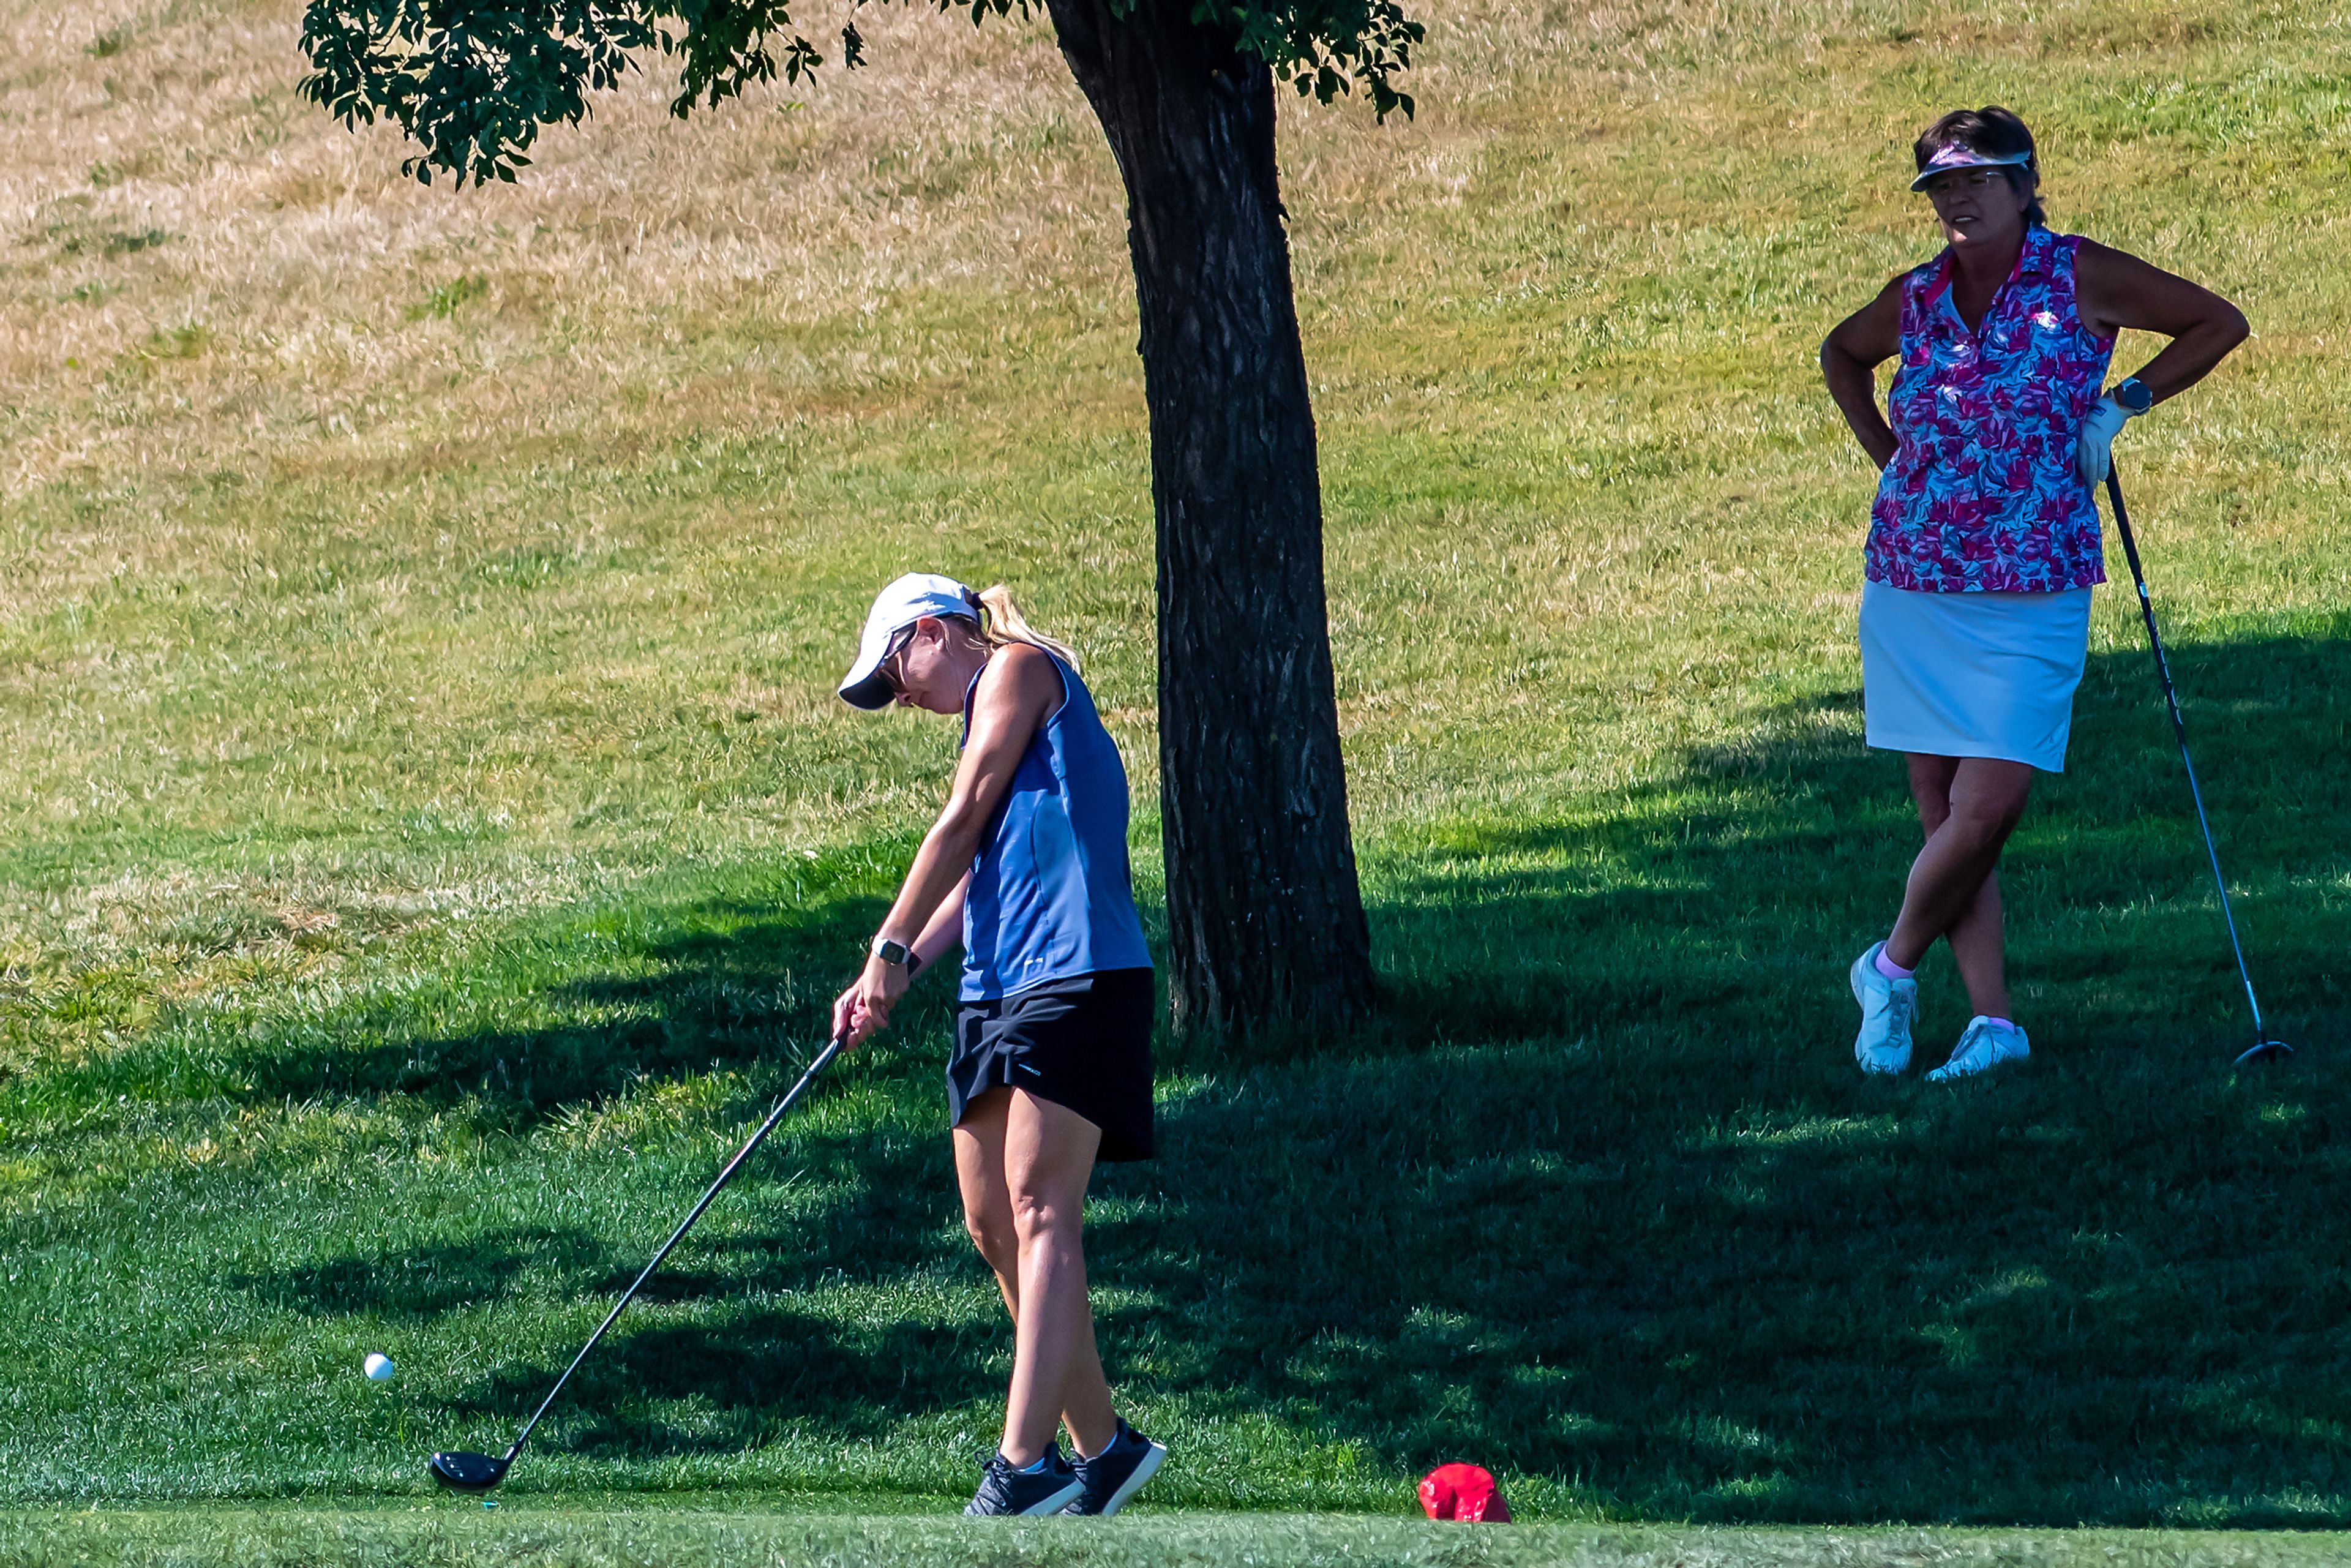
<point>1463,1491</point>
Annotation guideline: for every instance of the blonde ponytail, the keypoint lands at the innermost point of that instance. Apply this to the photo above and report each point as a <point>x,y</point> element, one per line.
<point>1002,621</point>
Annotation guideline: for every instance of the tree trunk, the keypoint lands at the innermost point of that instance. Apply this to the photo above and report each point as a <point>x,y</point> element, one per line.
<point>1264,919</point>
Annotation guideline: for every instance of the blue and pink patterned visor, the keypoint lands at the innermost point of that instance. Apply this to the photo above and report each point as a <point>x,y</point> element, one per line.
<point>1953,155</point>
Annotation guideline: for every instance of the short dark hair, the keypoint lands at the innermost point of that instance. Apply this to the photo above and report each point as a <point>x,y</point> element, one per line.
<point>1995,132</point>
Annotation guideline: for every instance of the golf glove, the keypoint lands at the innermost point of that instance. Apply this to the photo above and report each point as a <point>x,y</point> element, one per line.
<point>2093,454</point>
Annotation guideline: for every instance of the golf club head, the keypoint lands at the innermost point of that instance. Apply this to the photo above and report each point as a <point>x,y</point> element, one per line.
<point>2267,1050</point>
<point>467,1472</point>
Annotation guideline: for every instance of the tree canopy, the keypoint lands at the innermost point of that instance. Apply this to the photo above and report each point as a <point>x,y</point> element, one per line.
<point>472,81</point>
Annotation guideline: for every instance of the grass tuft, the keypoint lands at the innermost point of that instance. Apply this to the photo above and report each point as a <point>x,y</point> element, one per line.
<point>449,298</point>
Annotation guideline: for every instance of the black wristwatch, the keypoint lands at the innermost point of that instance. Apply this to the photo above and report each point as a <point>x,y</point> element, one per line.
<point>2134,396</point>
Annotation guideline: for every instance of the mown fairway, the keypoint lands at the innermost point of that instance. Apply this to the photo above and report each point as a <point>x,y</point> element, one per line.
<point>719,1531</point>
<point>427,835</point>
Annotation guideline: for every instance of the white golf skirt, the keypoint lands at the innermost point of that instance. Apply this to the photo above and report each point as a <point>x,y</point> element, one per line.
<point>1972,674</point>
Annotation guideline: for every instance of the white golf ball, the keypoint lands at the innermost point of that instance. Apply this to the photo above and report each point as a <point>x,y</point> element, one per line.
<point>378,1368</point>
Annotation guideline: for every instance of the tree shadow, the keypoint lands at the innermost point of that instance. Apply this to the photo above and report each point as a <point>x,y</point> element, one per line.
<point>1698,897</point>
<point>736,982</point>
<point>1601,1199</point>
<point>419,1282</point>
<point>1608,1198</point>
<point>753,1375</point>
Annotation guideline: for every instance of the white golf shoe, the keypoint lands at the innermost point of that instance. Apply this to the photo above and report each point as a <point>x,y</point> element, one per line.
<point>1886,1009</point>
<point>1986,1043</point>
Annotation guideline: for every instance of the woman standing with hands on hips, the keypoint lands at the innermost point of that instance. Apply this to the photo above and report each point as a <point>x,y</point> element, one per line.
<point>1027,870</point>
<point>1984,541</point>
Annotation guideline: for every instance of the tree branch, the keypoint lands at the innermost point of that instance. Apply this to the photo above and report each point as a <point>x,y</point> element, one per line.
<point>472,82</point>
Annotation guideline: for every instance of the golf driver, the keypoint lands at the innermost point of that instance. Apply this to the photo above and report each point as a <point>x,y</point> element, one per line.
<point>479,1472</point>
<point>2263,1048</point>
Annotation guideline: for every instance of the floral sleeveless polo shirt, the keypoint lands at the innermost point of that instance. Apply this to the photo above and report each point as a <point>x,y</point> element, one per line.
<point>1981,495</point>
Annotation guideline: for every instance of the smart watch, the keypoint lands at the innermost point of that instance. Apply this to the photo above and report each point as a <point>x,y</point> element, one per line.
<point>890,952</point>
<point>2134,396</point>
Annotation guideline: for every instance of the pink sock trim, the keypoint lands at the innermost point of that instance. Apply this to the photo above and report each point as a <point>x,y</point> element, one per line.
<point>1888,967</point>
<point>2004,1023</point>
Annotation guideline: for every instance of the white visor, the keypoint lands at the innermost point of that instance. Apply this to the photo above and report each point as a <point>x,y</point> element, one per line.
<point>910,599</point>
<point>1953,156</point>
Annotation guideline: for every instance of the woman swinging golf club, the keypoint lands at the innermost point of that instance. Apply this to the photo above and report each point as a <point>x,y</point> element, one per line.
<point>1027,869</point>
<point>1984,542</point>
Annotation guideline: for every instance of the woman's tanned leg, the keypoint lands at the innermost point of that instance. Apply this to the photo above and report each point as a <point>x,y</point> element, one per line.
<point>986,1201</point>
<point>1978,946</point>
<point>987,1216</point>
<point>1048,1156</point>
<point>1967,806</point>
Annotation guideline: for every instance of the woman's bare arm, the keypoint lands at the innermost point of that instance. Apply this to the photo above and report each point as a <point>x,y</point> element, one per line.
<point>1016,693</point>
<point>1850,356</point>
<point>2114,289</point>
<point>944,935</point>
<point>1019,688</point>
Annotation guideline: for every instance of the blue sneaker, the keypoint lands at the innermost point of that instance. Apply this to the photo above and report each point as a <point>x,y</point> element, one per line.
<point>1116,1473</point>
<point>1005,1490</point>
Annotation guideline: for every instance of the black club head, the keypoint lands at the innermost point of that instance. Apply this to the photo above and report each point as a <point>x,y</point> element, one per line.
<point>2270,1051</point>
<point>467,1472</point>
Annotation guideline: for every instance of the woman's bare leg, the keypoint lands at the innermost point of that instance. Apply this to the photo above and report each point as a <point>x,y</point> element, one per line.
<point>1967,806</point>
<point>1049,1157</point>
<point>1978,946</point>
<point>1023,1164</point>
<point>986,1201</point>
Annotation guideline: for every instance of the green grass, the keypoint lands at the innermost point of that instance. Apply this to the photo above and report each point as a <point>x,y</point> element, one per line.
<point>427,837</point>
<point>719,1533</point>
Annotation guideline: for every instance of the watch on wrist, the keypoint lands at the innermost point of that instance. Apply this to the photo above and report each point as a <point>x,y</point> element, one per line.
<point>890,952</point>
<point>2134,396</point>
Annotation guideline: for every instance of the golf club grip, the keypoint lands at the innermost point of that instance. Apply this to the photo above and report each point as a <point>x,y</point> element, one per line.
<point>823,1060</point>
<point>2122,527</point>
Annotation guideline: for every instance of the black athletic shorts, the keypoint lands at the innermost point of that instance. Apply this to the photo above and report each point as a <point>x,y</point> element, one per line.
<point>1084,1043</point>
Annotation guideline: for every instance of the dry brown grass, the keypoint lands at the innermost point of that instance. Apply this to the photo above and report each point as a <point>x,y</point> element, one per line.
<point>352,529</point>
<point>208,272</point>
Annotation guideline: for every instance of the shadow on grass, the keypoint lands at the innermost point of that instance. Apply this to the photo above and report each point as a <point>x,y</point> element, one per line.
<point>854,1382</point>
<point>1698,901</point>
<point>563,1015</point>
<point>719,986</point>
<point>1601,1198</point>
<point>422,1281</point>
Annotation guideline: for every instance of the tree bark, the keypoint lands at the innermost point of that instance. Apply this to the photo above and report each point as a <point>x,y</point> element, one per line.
<point>1264,918</point>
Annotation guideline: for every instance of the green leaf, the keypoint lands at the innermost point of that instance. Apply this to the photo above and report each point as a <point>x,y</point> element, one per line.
<point>472,82</point>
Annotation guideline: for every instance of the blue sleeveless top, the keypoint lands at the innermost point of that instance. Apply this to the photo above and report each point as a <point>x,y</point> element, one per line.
<point>1051,895</point>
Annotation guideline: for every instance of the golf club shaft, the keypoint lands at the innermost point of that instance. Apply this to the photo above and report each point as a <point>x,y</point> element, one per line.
<point>2180,729</point>
<point>823,1059</point>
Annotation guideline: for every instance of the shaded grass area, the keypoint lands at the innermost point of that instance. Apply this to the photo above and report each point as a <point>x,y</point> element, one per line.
<point>427,836</point>
<point>1599,1203</point>
<point>1693,899</point>
<point>720,1537</point>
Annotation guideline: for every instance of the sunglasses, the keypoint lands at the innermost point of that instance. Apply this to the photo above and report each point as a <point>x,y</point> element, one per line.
<point>888,668</point>
<point>1977,179</point>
